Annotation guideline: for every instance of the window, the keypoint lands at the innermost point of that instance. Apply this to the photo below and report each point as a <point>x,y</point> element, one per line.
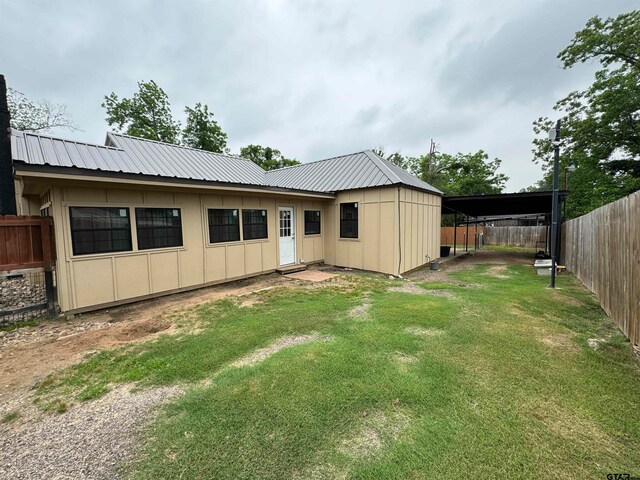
<point>312,222</point>
<point>100,230</point>
<point>254,224</point>
<point>348,220</point>
<point>223,225</point>
<point>158,228</point>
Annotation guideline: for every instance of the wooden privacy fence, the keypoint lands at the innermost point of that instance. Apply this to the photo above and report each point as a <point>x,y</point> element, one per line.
<point>602,248</point>
<point>27,256</point>
<point>25,242</point>
<point>516,236</point>
<point>446,235</point>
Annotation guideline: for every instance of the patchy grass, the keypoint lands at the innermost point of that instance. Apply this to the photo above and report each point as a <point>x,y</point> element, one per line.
<point>10,327</point>
<point>494,381</point>
<point>10,416</point>
<point>509,248</point>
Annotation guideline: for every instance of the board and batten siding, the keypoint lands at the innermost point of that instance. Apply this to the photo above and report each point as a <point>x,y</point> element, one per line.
<point>381,237</point>
<point>86,281</point>
<point>420,218</point>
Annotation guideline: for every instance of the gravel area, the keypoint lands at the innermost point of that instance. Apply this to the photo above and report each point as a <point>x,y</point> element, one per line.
<point>20,291</point>
<point>285,342</point>
<point>92,440</point>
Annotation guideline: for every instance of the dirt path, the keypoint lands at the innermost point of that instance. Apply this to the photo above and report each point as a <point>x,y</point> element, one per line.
<point>29,354</point>
<point>465,263</point>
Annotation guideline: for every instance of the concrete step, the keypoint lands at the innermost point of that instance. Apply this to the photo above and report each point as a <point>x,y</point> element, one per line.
<point>291,269</point>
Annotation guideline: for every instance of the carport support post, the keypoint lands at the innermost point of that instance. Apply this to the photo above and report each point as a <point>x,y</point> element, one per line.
<point>455,233</point>
<point>554,206</point>
<point>466,237</point>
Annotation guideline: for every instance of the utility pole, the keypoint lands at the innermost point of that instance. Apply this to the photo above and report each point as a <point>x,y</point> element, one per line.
<point>554,135</point>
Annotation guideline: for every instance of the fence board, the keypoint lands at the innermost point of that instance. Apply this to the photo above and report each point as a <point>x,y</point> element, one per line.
<point>446,234</point>
<point>602,248</point>
<point>515,236</point>
<point>21,242</point>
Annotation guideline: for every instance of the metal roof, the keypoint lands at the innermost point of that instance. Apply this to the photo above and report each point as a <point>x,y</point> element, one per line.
<point>136,156</point>
<point>488,206</point>
<point>347,172</point>
<point>132,155</point>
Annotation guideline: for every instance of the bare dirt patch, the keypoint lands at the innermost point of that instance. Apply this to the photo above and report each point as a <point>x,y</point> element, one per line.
<point>377,429</point>
<point>412,288</point>
<point>403,361</point>
<point>496,271</point>
<point>30,353</point>
<point>596,342</point>
<point>562,341</point>
<point>361,312</point>
<point>285,342</point>
<point>424,332</point>
<point>451,265</point>
<point>91,441</point>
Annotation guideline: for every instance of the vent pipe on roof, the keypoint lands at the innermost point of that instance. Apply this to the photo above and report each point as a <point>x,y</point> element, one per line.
<point>7,187</point>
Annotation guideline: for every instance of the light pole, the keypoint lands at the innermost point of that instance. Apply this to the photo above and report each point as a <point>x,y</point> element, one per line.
<point>554,136</point>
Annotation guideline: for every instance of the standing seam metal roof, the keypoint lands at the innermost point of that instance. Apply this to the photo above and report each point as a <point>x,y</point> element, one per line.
<point>132,155</point>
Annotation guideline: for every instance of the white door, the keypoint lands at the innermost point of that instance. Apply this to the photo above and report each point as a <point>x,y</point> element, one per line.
<point>287,236</point>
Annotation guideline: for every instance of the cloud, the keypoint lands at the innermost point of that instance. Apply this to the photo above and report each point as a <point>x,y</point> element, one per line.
<point>314,79</point>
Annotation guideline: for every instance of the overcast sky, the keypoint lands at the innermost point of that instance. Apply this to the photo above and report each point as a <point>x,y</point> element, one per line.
<point>314,79</point>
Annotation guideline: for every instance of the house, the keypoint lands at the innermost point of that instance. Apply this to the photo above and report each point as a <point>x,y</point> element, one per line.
<point>135,218</point>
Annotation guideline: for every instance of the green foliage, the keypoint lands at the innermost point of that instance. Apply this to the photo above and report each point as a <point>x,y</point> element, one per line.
<point>147,114</point>
<point>202,131</point>
<point>463,174</point>
<point>460,174</point>
<point>39,117</point>
<point>600,125</point>
<point>268,158</point>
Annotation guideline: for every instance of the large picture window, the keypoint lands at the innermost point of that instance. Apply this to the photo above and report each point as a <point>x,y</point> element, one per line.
<point>312,222</point>
<point>348,220</point>
<point>254,224</point>
<point>224,225</point>
<point>100,230</point>
<point>158,228</point>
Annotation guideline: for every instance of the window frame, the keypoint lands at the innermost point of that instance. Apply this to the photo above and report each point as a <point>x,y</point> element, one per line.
<point>209,225</point>
<point>179,227</point>
<point>350,220</point>
<point>265,223</point>
<point>319,222</point>
<point>73,231</point>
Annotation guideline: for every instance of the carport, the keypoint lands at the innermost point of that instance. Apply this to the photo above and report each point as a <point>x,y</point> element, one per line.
<point>475,209</point>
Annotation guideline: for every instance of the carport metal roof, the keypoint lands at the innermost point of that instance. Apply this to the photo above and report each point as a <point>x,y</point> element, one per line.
<point>501,205</point>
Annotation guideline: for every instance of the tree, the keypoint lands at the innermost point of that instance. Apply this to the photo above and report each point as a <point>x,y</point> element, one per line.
<point>464,174</point>
<point>600,125</point>
<point>147,114</point>
<point>202,131</point>
<point>268,158</point>
<point>410,164</point>
<point>40,117</point>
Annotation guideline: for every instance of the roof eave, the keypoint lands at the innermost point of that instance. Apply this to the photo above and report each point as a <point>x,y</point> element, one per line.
<point>75,173</point>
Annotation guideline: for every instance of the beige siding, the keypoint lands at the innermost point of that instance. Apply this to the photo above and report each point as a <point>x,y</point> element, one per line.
<point>377,246</point>
<point>102,279</point>
<point>384,244</point>
<point>420,228</point>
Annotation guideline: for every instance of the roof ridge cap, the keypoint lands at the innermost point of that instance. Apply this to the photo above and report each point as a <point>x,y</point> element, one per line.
<point>316,161</point>
<point>142,139</point>
<point>24,134</point>
<point>381,162</point>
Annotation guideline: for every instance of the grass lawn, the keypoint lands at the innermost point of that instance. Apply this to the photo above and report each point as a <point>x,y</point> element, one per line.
<point>489,376</point>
